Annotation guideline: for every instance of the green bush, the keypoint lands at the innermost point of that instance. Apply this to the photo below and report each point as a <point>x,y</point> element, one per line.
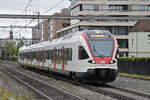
<point>14,57</point>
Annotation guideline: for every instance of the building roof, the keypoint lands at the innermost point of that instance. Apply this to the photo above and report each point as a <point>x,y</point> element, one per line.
<point>141,26</point>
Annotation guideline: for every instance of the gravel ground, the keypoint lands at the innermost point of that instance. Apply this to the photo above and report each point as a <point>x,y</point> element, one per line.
<point>122,82</point>
<point>17,89</point>
<point>84,93</point>
<point>132,84</point>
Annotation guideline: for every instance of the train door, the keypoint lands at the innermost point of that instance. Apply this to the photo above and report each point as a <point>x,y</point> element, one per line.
<point>63,58</point>
<point>38,57</point>
<point>31,57</point>
<point>23,56</point>
<point>43,58</point>
<point>54,58</point>
<point>82,56</point>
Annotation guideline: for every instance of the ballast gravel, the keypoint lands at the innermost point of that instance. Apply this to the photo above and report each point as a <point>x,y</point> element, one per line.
<point>122,82</point>
<point>132,84</point>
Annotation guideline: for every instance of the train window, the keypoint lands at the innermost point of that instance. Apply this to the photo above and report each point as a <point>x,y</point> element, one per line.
<point>51,54</point>
<point>47,54</point>
<point>34,55</point>
<point>30,54</point>
<point>59,56</point>
<point>65,52</point>
<point>82,53</point>
<point>69,54</point>
<point>40,56</point>
<point>37,55</point>
<point>44,56</point>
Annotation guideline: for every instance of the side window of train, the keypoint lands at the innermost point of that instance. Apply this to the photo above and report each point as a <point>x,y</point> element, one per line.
<point>47,54</point>
<point>82,53</point>
<point>70,54</point>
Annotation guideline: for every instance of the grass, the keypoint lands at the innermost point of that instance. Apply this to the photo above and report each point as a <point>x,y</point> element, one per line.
<point>47,78</point>
<point>7,61</point>
<point>135,76</point>
<point>5,94</point>
<point>65,84</point>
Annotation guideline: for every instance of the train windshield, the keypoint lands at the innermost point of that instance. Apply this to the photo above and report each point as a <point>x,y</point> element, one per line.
<point>101,48</point>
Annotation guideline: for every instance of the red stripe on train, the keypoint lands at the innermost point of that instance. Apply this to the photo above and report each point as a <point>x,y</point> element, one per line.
<point>99,60</point>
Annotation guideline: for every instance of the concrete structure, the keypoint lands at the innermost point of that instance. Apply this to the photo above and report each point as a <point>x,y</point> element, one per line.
<point>65,11</point>
<point>49,27</point>
<point>116,8</point>
<point>139,40</point>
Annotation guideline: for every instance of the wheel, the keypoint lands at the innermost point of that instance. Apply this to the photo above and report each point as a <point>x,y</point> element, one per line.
<point>75,78</point>
<point>20,66</point>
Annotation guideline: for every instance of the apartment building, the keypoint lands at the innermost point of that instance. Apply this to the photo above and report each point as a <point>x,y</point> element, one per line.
<point>120,28</point>
<point>48,28</point>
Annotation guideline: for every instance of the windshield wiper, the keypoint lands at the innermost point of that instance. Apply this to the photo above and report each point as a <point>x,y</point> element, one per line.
<point>95,50</point>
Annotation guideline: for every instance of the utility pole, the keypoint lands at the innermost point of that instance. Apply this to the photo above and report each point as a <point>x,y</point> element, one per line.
<point>11,33</point>
<point>38,33</point>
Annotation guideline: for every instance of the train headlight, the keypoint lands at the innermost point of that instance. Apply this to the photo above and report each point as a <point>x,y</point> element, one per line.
<point>92,61</point>
<point>112,61</point>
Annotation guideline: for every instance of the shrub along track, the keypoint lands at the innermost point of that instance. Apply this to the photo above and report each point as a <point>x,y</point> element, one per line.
<point>114,92</point>
<point>46,91</point>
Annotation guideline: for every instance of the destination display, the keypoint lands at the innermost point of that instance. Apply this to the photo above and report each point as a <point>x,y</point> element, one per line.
<point>99,36</point>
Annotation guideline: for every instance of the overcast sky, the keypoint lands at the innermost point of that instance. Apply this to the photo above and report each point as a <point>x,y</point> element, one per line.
<point>18,7</point>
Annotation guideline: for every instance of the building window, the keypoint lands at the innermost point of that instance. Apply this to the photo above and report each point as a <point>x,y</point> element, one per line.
<point>116,30</point>
<point>51,27</point>
<point>123,43</point>
<point>66,24</point>
<point>76,10</point>
<point>119,7</point>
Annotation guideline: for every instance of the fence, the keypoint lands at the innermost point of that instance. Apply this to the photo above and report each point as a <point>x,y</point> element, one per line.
<point>141,66</point>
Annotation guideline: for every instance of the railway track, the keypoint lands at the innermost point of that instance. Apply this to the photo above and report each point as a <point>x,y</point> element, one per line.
<point>46,91</point>
<point>114,92</point>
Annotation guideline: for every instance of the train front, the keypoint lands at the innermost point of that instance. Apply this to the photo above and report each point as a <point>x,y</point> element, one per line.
<point>102,47</point>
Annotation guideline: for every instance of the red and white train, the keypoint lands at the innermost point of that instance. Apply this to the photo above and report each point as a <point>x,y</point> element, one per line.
<point>87,55</point>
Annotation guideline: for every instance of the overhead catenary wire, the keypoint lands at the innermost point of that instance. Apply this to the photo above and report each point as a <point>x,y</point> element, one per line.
<point>56,6</point>
<point>27,5</point>
<point>58,3</point>
<point>51,8</point>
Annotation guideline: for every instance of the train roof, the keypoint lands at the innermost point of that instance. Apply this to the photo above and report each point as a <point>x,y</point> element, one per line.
<point>72,37</point>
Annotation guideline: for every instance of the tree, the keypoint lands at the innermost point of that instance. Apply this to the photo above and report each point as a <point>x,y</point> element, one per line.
<point>11,49</point>
<point>20,44</point>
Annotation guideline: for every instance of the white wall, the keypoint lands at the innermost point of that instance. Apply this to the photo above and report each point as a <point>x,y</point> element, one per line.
<point>139,44</point>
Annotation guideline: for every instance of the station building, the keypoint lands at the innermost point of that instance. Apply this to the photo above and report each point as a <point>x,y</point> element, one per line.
<point>139,39</point>
<point>120,28</point>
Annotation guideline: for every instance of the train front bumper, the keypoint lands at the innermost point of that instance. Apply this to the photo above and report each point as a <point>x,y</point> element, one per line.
<point>99,75</point>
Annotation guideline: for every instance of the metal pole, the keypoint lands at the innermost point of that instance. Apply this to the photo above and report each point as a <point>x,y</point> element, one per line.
<point>38,31</point>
